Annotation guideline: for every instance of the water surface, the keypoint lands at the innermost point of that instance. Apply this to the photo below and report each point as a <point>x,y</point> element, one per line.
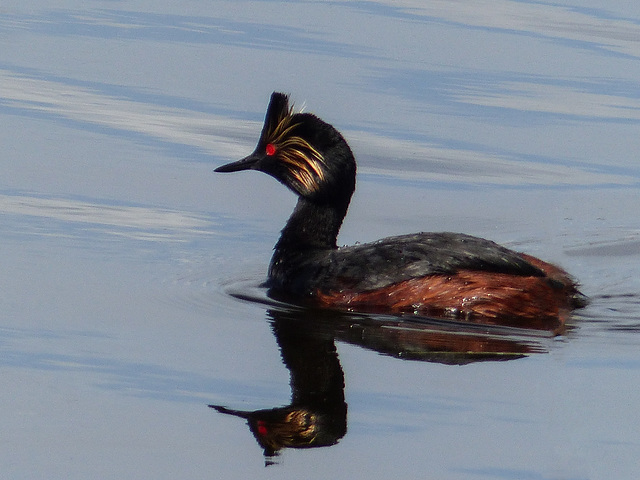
<point>123,254</point>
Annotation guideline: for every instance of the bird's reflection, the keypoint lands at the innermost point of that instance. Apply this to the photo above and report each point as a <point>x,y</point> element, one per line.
<point>317,415</point>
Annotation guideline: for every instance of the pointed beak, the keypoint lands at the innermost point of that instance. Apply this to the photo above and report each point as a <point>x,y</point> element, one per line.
<point>247,163</point>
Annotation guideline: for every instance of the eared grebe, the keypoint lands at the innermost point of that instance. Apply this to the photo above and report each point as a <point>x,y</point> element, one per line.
<point>448,274</point>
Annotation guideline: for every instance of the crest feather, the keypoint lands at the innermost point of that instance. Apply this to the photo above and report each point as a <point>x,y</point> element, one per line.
<point>277,111</point>
<point>304,162</point>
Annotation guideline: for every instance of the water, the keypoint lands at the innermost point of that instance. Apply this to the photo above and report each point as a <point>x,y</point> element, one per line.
<point>124,255</point>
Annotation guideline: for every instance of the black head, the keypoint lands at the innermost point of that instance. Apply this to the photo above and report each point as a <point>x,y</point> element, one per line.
<point>304,153</point>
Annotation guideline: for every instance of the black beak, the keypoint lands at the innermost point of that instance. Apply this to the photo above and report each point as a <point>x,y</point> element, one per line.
<point>247,163</point>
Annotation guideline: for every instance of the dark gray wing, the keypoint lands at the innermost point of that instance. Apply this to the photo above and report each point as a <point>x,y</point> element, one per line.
<point>395,259</point>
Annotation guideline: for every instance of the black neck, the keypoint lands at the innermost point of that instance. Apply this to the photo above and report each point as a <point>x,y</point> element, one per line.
<point>312,225</point>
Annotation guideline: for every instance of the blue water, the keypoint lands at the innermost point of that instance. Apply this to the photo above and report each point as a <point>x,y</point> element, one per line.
<point>129,271</point>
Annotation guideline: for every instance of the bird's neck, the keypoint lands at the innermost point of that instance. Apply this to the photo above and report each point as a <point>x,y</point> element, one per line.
<point>312,226</point>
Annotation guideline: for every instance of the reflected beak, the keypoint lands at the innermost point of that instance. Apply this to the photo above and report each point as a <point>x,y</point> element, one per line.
<point>247,163</point>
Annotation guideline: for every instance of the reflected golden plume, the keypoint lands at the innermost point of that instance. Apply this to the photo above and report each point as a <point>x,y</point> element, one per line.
<point>297,428</point>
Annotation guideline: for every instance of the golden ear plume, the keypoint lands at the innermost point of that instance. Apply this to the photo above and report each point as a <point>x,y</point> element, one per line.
<point>305,163</point>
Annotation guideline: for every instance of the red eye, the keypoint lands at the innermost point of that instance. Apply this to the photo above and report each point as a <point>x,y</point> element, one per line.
<point>270,149</point>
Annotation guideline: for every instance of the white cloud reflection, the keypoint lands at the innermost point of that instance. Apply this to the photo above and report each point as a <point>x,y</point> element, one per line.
<point>554,21</point>
<point>475,168</point>
<point>229,138</point>
<point>134,222</point>
<point>84,105</point>
<point>555,99</point>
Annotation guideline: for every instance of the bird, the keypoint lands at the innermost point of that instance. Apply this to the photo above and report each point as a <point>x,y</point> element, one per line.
<point>444,274</point>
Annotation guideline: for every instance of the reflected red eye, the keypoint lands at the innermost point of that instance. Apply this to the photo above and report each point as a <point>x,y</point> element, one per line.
<point>262,428</point>
<point>270,149</point>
